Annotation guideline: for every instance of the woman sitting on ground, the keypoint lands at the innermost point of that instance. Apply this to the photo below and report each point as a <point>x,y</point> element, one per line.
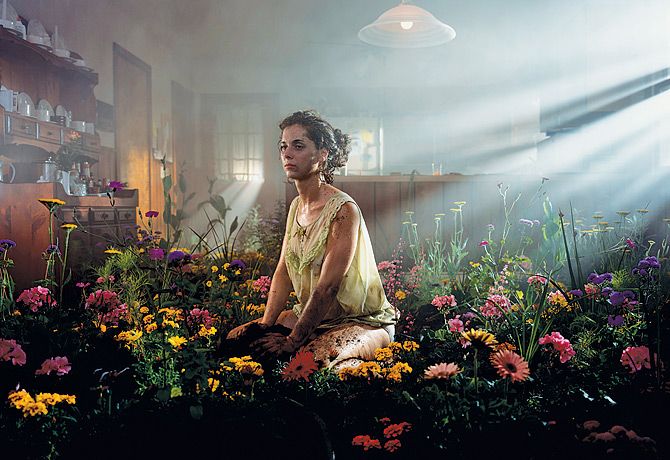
<point>342,314</point>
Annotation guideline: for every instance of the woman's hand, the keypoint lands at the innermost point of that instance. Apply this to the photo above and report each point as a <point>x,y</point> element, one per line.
<point>274,344</point>
<point>239,331</point>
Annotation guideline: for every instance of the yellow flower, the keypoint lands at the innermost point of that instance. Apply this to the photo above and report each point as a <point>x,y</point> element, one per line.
<point>475,264</point>
<point>213,383</point>
<point>519,295</point>
<point>459,203</point>
<point>409,345</point>
<point>177,341</point>
<point>383,354</point>
<point>223,278</point>
<point>214,269</point>
<point>368,369</point>
<point>400,294</point>
<point>148,319</point>
<point>103,328</point>
<point>480,337</point>
<point>129,337</point>
<point>395,347</point>
<point>208,283</point>
<point>642,211</point>
<point>150,327</point>
<point>204,332</point>
<point>69,226</point>
<point>112,251</point>
<point>226,266</point>
<point>51,203</point>
<point>144,310</point>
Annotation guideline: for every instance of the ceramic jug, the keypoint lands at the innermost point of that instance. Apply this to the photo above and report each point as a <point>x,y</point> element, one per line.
<point>7,178</point>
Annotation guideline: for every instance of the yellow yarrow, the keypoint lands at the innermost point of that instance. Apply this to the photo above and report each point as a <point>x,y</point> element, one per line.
<point>246,365</point>
<point>409,345</point>
<point>112,251</point>
<point>69,226</point>
<point>400,294</point>
<point>383,354</point>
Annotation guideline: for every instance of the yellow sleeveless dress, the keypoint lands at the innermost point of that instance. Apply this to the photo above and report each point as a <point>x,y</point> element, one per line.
<point>361,297</point>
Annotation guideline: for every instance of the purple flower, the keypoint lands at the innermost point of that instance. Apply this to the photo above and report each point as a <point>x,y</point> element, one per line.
<point>151,214</point>
<point>576,292</point>
<point>7,244</point>
<point>156,254</point>
<point>52,249</point>
<point>536,222</point>
<point>630,243</point>
<point>116,185</point>
<point>238,264</point>
<point>527,222</point>
<point>607,291</point>
<point>176,256</point>
<point>595,278</point>
<point>616,298</point>
<point>615,321</point>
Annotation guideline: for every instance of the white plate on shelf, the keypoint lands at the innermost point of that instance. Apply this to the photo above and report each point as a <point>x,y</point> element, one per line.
<point>44,110</point>
<point>25,105</point>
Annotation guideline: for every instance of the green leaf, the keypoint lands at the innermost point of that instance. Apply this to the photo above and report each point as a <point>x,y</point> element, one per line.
<point>167,184</point>
<point>182,183</point>
<point>233,226</point>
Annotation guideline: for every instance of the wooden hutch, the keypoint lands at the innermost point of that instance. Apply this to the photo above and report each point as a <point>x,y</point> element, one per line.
<point>25,141</point>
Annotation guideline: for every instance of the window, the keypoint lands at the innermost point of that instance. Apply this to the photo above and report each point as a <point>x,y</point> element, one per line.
<point>238,141</point>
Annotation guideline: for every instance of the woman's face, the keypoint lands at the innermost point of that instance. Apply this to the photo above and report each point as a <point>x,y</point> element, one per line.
<point>299,155</point>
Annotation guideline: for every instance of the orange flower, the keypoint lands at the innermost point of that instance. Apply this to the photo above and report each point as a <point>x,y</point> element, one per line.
<point>441,371</point>
<point>509,364</point>
<point>300,367</point>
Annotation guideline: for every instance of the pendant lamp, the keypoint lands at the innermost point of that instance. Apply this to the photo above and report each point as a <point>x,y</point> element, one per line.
<point>406,26</point>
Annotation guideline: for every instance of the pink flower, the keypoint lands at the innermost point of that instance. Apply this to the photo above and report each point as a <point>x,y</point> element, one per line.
<point>495,305</point>
<point>636,358</point>
<point>630,243</point>
<point>82,285</point>
<point>455,324</point>
<point>483,243</point>
<point>444,300</point>
<point>262,285</point>
<point>560,344</point>
<point>60,365</point>
<point>35,298</point>
<point>591,289</point>
<point>108,306</point>
<point>386,265</point>
<point>197,317</point>
<point>9,349</point>
<point>537,280</point>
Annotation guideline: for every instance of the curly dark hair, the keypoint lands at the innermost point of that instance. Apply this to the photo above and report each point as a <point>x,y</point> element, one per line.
<point>323,135</point>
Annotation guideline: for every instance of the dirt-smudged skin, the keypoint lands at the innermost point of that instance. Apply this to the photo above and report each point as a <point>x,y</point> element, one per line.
<point>347,345</point>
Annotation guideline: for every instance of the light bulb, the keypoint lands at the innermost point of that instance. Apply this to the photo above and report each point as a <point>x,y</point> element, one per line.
<point>406,25</point>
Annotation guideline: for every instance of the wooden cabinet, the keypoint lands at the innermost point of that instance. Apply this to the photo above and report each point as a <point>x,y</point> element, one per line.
<point>26,221</point>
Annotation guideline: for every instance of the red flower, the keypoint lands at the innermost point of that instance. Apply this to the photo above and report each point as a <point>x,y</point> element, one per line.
<point>392,445</point>
<point>396,429</point>
<point>366,441</point>
<point>300,367</point>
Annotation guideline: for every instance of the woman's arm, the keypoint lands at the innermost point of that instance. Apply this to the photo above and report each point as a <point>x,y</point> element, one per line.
<point>279,291</point>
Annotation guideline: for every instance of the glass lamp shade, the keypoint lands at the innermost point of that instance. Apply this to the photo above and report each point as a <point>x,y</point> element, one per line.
<point>406,26</point>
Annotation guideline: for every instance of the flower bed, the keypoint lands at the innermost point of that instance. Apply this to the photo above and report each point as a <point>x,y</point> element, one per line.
<point>503,349</point>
